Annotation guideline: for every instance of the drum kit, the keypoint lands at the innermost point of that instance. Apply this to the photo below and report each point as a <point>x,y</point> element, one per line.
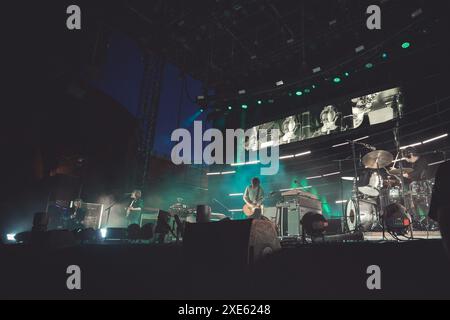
<point>379,187</point>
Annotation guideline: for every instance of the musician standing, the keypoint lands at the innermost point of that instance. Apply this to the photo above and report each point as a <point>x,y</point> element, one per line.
<point>254,196</point>
<point>135,208</point>
<point>76,215</point>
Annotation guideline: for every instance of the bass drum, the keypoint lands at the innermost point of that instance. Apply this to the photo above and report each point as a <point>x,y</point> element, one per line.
<point>368,215</point>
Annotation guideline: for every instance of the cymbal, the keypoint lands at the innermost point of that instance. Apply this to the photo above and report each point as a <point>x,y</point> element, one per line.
<point>397,171</point>
<point>377,159</point>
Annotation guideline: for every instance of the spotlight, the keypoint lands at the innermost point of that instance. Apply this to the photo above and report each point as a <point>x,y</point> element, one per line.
<point>298,93</point>
<point>103,232</point>
<point>337,80</point>
<point>359,49</point>
<point>11,237</point>
<point>259,102</point>
<point>346,74</point>
<point>316,70</point>
<point>384,55</point>
<point>314,224</point>
<point>230,108</point>
<point>242,91</point>
<point>279,83</point>
<point>406,45</point>
<point>397,219</point>
<point>244,106</point>
<point>369,65</point>
<point>307,91</point>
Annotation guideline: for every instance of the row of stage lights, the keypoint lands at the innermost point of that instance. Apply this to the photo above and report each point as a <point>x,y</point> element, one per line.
<point>336,79</point>
<point>291,156</point>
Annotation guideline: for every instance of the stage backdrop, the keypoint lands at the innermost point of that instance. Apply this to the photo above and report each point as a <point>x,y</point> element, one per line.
<point>350,114</point>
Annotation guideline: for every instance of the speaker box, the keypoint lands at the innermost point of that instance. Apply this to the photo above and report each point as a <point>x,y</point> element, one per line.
<point>229,243</point>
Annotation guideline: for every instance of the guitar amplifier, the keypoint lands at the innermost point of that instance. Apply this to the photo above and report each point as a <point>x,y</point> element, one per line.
<point>148,217</point>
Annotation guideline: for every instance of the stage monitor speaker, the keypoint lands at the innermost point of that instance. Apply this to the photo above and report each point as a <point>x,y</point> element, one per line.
<point>226,244</point>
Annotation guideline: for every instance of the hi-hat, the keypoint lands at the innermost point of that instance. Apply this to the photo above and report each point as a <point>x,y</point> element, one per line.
<point>377,159</point>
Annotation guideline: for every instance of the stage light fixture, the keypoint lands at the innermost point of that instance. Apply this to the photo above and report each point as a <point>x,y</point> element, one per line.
<point>244,106</point>
<point>230,108</point>
<point>396,219</point>
<point>307,91</point>
<point>242,91</point>
<point>316,69</point>
<point>259,102</point>
<point>384,55</point>
<point>336,80</point>
<point>298,93</point>
<point>359,49</point>
<point>346,74</point>
<point>103,232</point>
<point>279,83</point>
<point>369,65</point>
<point>416,13</point>
<point>11,237</point>
<point>406,45</point>
<point>313,86</point>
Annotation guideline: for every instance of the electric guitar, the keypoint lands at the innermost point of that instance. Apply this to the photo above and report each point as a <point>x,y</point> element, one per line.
<point>250,210</point>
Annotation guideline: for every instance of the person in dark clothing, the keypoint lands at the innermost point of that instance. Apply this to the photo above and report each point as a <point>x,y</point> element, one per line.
<point>419,165</point>
<point>440,202</point>
<point>135,208</point>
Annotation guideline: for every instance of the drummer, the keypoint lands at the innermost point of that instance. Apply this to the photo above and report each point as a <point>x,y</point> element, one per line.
<point>419,165</point>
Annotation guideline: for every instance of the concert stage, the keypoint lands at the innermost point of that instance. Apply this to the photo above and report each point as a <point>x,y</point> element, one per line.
<point>413,269</point>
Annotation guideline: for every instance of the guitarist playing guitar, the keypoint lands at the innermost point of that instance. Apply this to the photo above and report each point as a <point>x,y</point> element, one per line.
<point>253,198</point>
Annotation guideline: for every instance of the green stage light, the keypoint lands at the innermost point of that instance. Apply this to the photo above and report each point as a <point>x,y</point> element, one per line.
<point>201,110</point>
<point>384,55</point>
<point>298,93</point>
<point>406,45</point>
<point>337,80</point>
<point>369,65</point>
<point>259,102</point>
<point>244,106</point>
<point>290,94</point>
<point>346,74</point>
<point>313,86</point>
<point>307,91</point>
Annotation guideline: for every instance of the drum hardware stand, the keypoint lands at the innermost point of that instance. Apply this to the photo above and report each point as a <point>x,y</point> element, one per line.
<point>342,196</point>
<point>396,132</point>
<point>355,187</point>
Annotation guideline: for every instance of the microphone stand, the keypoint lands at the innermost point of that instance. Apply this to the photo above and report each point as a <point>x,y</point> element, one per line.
<point>108,210</point>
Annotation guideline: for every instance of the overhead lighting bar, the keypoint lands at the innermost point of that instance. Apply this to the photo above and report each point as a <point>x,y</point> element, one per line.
<point>436,138</point>
<point>245,163</point>
<point>331,174</point>
<point>235,210</point>
<point>287,157</point>
<point>436,163</point>
<point>315,177</point>
<point>303,154</point>
<point>213,174</point>
<point>228,172</point>
<point>236,194</point>
<point>443,136</point>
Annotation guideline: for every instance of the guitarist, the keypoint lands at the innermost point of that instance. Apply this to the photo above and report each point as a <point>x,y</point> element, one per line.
<point>134,209</point>
<point>253,198</point>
